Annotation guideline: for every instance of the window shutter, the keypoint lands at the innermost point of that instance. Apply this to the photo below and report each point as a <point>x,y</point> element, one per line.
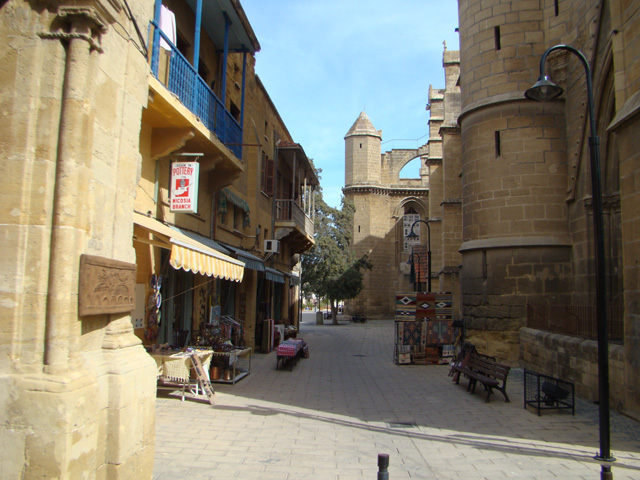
<point>263,176</point>
<point>269,176</point>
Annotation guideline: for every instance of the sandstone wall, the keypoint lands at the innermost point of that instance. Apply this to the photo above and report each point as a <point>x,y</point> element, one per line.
<point>73,93</point>
<point>574,360</point>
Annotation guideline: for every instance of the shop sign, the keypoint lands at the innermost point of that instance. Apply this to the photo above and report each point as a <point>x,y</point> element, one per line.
<point>184,187</point>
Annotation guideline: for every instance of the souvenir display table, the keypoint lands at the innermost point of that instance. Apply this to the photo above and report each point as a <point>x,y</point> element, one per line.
<point>174,371</point>
<point>238,365</point>
<point>290,351</point>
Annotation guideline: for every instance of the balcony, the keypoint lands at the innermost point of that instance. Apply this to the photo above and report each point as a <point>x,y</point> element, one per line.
<point>294,224</point>
<point>175,72</point>
<point>190,108</point>
<point>298,181</point>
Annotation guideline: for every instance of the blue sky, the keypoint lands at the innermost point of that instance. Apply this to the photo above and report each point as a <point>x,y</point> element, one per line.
<point>323,62</point>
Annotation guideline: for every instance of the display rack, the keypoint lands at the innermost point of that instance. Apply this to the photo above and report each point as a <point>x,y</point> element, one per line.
<point>424,332</point>
<point>236,362</point>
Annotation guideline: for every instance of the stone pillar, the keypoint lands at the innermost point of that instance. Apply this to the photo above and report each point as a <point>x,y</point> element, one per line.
<point>79,392</point>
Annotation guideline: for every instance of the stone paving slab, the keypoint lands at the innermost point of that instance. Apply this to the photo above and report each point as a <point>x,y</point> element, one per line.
<point>336,411</point>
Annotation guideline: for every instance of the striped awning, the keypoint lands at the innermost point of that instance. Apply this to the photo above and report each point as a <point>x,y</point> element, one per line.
<point>273,275</point>
<point>250,261</point>
<point>188,254</point>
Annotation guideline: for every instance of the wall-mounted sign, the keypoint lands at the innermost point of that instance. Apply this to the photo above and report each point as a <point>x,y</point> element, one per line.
<point>184,187</point>
<point>106,286</point>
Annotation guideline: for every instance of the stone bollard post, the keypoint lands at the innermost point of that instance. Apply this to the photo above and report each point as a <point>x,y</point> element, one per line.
<point>383,465</point>
<point>319,318</point>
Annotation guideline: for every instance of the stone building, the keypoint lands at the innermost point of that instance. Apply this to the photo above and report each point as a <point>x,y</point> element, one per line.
<point>254,184</point>
<point>387,205</point>
<point>528,244</point>
<point>508,191</point>
<point>97,105</point>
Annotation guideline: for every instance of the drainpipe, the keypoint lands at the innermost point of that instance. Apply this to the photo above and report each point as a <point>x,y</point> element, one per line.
<point>196,51</point>
<point>294,182</point>
<point>225,58</point>
<point>69,220</point>
<point>196,40</point>
<point>244,80</point>
<point>275,186</point>
<point>156,38</point>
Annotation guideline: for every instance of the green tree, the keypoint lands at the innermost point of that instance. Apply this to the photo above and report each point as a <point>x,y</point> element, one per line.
<point>329,268</point>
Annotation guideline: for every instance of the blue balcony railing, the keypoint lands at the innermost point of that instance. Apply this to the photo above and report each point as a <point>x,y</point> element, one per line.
<point>173,70</point>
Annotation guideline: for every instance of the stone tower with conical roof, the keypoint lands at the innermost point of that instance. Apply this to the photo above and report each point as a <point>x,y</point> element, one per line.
<point>381,200</point>
<point>362,153</point>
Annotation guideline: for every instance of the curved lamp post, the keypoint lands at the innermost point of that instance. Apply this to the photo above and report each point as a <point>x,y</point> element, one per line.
<point>414,235</point>
<point>545,90</point>
<point>412,263</point>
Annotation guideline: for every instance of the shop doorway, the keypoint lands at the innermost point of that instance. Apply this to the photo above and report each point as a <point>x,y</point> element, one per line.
<point>277,302</point>
<point>177,308</point>
<point>228,298</point>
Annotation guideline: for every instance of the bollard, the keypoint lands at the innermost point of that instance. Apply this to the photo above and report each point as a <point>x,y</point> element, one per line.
<point>383,465</point>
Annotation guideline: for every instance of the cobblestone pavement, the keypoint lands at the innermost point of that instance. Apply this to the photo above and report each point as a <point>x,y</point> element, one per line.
<point>336,411</point>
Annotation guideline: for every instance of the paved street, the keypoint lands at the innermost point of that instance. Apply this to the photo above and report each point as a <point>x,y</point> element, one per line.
<point>336,411</point>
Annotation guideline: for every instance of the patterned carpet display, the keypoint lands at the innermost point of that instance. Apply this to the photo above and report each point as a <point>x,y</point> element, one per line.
<point>433,306</point>
<point>424,325</point>
<point>406,306</point>
<point>411,333</point>
<point>440,332</point>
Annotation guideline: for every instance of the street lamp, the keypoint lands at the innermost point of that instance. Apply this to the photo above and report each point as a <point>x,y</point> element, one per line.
<point>413,235</point>
<point>545,90</point>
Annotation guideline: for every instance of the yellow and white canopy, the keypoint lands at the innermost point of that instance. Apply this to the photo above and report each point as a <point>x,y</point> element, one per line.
<point>189,254</point>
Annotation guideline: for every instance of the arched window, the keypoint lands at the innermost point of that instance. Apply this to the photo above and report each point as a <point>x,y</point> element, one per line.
<point>409,218</point>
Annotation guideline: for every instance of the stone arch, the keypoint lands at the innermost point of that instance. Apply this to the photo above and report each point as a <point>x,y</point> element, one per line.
<point>395,160</point>
<point>420,202</point>
<point>420,207</point>
<point>417,157</point>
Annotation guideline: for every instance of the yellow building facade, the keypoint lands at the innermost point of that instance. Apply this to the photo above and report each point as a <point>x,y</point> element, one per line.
<point>102,100</point>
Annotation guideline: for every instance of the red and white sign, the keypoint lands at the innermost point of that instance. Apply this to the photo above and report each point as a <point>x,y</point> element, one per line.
<point>184,187</point>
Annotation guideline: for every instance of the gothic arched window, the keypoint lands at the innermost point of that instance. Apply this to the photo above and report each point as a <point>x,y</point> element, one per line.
<point>409,218</point>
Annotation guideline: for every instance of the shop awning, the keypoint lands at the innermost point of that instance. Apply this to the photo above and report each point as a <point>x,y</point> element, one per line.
<point>250,261</point>
<point>204,240</point>
<point>273,275</point>
<point>189,254</point>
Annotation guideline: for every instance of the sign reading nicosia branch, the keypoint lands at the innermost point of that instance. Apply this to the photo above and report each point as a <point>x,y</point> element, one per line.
<point>184,187</point>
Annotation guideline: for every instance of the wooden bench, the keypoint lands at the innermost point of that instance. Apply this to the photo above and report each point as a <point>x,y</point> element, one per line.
<point>483,369</point>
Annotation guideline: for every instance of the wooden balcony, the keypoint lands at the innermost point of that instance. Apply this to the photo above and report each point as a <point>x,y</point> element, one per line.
<point>294,226</point>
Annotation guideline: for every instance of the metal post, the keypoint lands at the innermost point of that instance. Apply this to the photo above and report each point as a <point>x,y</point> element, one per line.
<point>545,90</point>
<point>383,465</point>
<point>429,255</point>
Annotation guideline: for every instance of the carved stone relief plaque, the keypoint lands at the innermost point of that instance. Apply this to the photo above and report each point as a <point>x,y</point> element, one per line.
<point>106,286</point>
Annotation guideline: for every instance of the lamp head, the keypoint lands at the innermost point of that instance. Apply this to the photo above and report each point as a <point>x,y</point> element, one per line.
<point>544,90</point>
<point>412,235</point>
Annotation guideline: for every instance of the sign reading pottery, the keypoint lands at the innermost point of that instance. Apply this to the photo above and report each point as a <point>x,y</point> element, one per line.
<point>184,187</point>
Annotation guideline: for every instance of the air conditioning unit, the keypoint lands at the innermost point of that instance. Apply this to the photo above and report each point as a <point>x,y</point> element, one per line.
<point>272,246</point>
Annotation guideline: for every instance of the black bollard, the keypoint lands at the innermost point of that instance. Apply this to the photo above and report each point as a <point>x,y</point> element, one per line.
<point>383,465</point>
